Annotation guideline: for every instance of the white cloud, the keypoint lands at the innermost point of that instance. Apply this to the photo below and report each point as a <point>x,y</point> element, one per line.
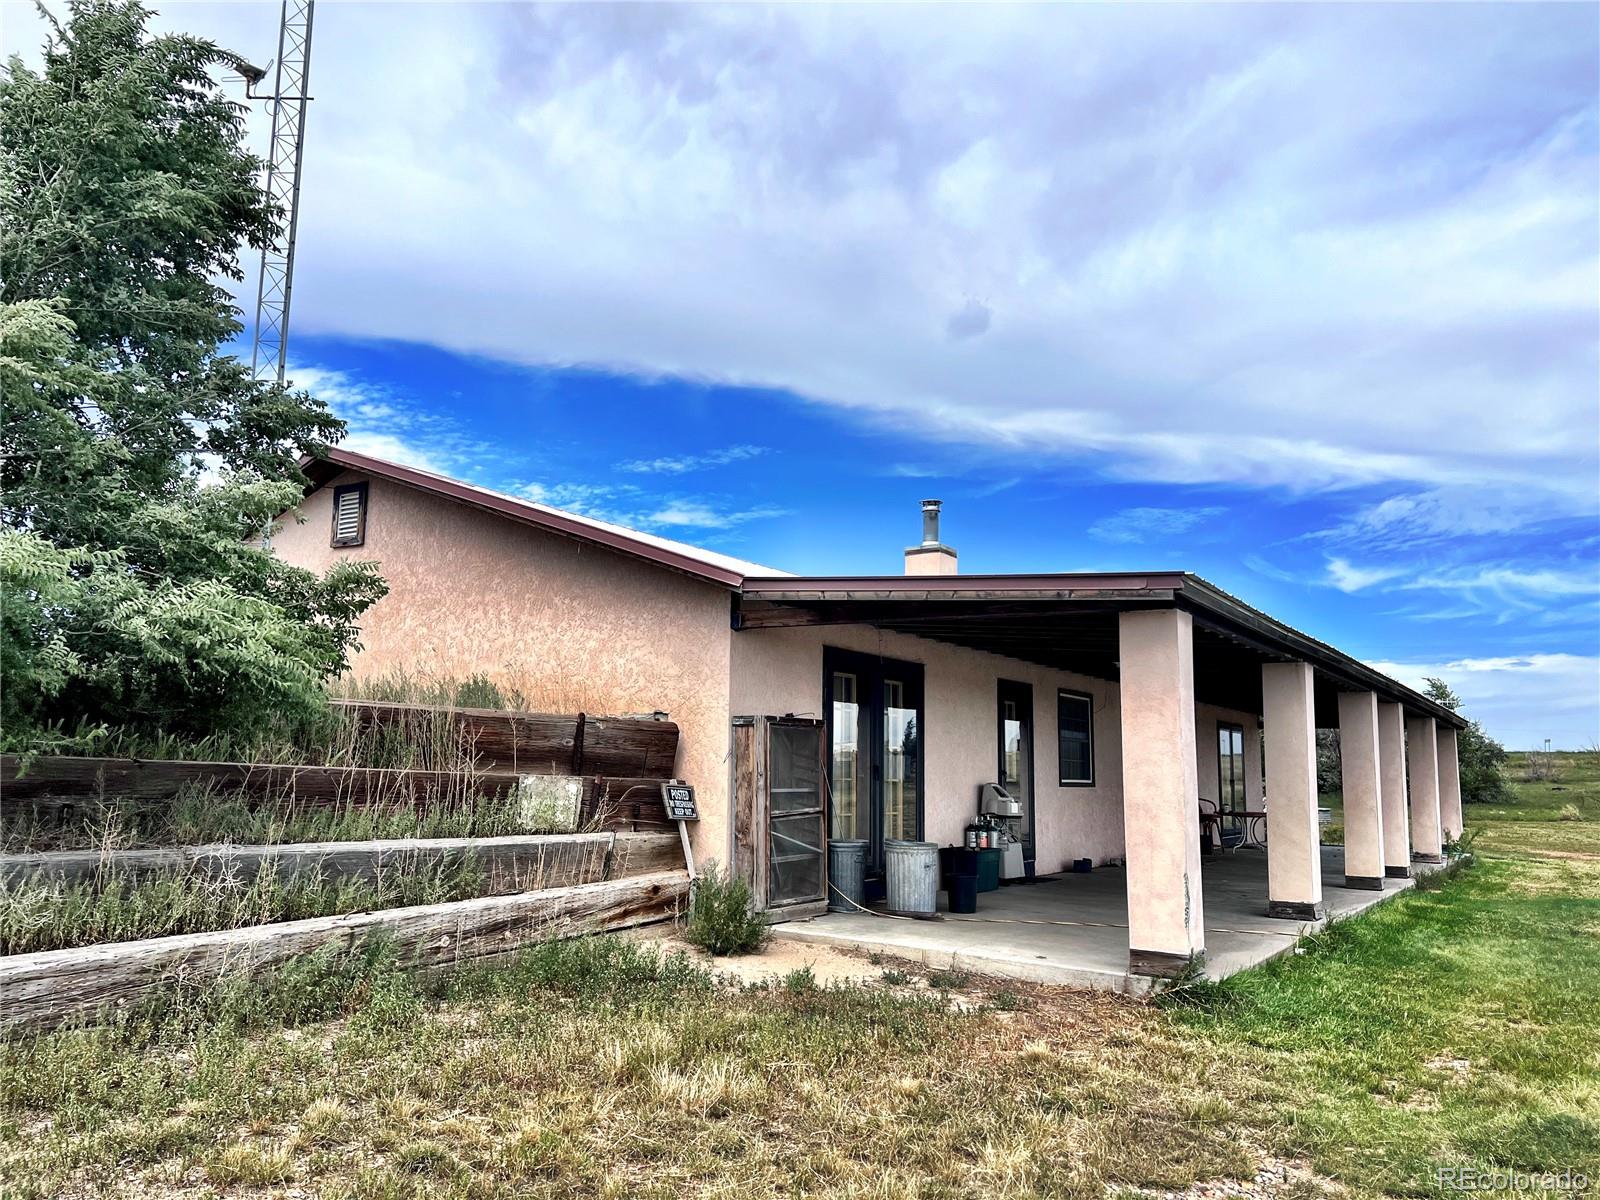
<point>1175,279</point>
<point>1504,581</point>
<point>1348,577</point>
<point>702,516</point>
<point>387,425</point>
<point>1150,524</point>
<point>394,449</point>
<point>682,464</point>
<point>1411,519</point>
<point>1520,700</point>
<point>632,506</point>
<point>969,321</point>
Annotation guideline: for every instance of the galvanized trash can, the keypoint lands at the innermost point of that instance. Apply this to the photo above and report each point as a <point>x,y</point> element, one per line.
<point>911,877</point>
<point>847,875</point>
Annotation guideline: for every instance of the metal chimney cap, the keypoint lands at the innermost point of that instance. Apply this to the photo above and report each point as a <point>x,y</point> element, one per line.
<point>932,504</point>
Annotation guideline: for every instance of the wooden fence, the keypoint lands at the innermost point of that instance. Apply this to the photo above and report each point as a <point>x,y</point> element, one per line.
<point>54,788</point>
<point>536,743</point>
<point>626,870</point>
<point>509,864</point>
<point>42,991</point>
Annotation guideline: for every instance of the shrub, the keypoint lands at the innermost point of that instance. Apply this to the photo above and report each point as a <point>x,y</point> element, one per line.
<point>588,970</point>
<point>801,979</point>
<point>720,916</point>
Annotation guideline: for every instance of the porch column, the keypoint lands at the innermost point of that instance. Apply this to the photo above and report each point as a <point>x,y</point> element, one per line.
<point>1294,847</point>
<point>1422,756</point>
<point>1160,791</point>
<point>1392,773</point>
<point>1358,766</point>
<point>1451,821</point>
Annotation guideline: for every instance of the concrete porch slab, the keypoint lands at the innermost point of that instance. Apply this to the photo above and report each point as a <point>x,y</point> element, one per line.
<point>1073,929</point>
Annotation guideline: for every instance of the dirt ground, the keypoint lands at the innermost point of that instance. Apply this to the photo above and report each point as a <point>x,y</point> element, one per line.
<point>827,964</point>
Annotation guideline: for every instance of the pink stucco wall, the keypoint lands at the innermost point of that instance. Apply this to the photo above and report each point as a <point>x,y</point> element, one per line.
<point>573,626</point>
<point>576,627</point>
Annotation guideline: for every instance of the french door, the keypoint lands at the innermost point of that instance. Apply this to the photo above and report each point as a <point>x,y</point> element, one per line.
<point>1015,770</point>
<point>873,709</point>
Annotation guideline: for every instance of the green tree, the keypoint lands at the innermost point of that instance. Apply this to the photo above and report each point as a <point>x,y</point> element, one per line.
<point>139,463</point>
<point>1482,758</point>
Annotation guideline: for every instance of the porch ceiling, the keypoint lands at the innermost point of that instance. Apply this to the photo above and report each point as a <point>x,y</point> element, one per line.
<point>1069,623</point>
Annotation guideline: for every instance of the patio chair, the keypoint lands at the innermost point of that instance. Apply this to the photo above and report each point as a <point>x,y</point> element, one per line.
<point>1216,827</point>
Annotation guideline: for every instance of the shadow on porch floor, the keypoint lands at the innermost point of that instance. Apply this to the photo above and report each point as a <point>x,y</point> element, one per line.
<point>1073,929</point>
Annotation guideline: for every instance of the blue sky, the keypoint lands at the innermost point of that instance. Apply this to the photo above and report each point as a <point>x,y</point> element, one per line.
<point>1303,298</point>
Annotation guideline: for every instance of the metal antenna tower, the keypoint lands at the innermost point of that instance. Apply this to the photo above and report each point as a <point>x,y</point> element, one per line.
<point>291,76</point>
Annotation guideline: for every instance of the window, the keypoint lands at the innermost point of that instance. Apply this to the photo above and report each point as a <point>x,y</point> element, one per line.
<point>1075,726</point>
<point>349,515</point>
<point>849,817</point>
<point>901,758</point>
<point>1230,767</point>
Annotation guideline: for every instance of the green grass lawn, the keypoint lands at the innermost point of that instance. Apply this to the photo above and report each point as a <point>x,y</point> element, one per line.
<point>1458,1027</point>
<point>1454,1027</point>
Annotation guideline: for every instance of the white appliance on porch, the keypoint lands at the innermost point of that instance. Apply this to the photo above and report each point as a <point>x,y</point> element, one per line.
<point>1000,810</point>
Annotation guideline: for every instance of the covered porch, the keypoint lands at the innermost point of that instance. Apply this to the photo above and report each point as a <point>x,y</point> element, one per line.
<point>1072,929</point>
<point>1169,645</point>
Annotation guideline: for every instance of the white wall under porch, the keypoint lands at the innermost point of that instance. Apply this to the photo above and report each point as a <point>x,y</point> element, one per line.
<point>776,671</point>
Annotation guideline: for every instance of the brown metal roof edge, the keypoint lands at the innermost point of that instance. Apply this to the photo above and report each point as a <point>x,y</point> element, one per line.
<point>1208,597</point>
<point>1187,589</point>
<point>919,586</point>
<point>516,510</point>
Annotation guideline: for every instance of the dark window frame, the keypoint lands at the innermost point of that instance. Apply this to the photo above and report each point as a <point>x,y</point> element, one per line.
<point>869,670</point>
<point>1022,694</point>
<point>1062,696</point>
<point>1244,787</point>
<point>343,490</point>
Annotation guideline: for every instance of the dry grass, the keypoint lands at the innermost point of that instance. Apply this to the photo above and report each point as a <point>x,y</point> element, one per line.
<point>200,814</point>
<point>634,1080</point>
<point>118,906</point>
<point>510,690</point>
<point>1448,1028</point>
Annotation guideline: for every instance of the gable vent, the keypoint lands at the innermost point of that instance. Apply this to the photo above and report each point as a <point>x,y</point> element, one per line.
<point>350,514</point>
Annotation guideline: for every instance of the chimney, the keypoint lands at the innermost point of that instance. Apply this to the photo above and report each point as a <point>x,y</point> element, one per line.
<point>933,557</point>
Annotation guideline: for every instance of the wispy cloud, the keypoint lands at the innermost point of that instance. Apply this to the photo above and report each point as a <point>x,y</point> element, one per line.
<point>1348,577</point>
<point>703,516</point>
<point>1407,520</point>
<point>388,425</point>
<point>1504,581</point>
<point>1521,699</point>
<point>1150,524</point>
<point>634,507</point>
<point>682,464</point>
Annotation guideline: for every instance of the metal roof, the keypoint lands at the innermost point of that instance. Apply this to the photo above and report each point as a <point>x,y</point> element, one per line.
<point>1068,620</point>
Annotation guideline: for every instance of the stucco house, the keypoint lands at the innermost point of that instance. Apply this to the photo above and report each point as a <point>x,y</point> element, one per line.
<point>1116,706</point>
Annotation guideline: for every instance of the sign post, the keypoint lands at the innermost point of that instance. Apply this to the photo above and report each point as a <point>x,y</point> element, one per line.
<point>678,798</point>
